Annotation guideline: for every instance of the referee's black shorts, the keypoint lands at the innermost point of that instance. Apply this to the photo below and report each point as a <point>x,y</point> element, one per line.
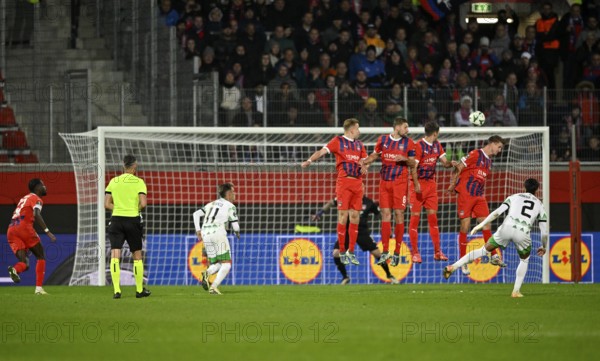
<point>364,241</point>
<point>129,229</point>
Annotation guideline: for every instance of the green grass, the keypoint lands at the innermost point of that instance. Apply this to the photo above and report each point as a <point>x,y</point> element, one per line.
<point>412,322</point>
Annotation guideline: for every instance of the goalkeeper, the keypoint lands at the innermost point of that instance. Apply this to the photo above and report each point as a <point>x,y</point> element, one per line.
<point>364,240</point>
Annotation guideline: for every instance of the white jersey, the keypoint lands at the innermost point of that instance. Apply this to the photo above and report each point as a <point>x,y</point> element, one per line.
<point>217,215</point>
<point>523,210</point>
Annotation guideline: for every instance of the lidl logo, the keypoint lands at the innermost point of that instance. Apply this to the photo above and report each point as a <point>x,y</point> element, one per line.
<point>197,262</point>
<point>300,260</point>
<point>560,259</point>
<point>481,269</point>
<point>400,271</point>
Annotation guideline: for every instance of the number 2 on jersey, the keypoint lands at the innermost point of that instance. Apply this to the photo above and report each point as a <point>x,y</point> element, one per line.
<point>528,206</point>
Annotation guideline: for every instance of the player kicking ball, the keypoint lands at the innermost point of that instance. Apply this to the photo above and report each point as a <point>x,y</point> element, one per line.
<point>217,215</point>
<point>23,238</point>
<point>523,210</point>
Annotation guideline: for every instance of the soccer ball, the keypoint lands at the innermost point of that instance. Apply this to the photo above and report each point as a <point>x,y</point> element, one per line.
<point>477,118</point>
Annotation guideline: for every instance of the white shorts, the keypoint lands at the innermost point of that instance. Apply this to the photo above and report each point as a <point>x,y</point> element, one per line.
<point>507,233</point>
<point>217,247</point>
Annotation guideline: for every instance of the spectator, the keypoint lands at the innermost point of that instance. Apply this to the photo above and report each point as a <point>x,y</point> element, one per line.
<point>469,40</point>
<point>443,97</point>
<point>447,71</point>
<point>253,42</point>
<point>238,75</point>
<point>591,26</point>
<point>464,61</point>
<point>530,43</point>
<point>368,116</point>
<point>506,66</point>
<point>279,38</point>
<point>412,63</point>
<point>224,45</point>
<point>570,28</point>
<point>348,102</point>
<point>325,66</point>
<point>314,81</point>
<point>395,95</point>
<point>373,39</point>
<point>342,49</point>
<point>332,33</point>
<point>591,72</point>
<point>302,32</point>
<point>461,117</point>
<point>391,23</point>
<point>341,73</point>
<point>500,114</point>
<point>361,87</point>
<point>522,68</point>
<point>475,31</point>
<point>419,96</point>
<point>428,76</point>
<point>230,96</point>
<point>573,119</point>
<point>429,51</point>
<point>274,53</point>
<point>358,58</point>
<point>516,46</point>
<point>168,14</point>
<point>279,12</point>
<point>463,88</point>
<point>592,152</point>
<point>510,91</point>
<point>190,50</point>
<point>247,117</point>
<point>583,55</point>
<point>311,114</point>
<point>531,106</point>
<point>282,77</point>
<point>590,111</point>
<point>548,41</point>
<point>483,57</point>
<point>314,47</point>
<point>396,70</point>
<point>452,54</point>
<point>392,111</point>
<point>501,41</point>
<point>504,15</point>
<point>214,23</point>
<point>401,43</point>
<point>263,74</point>
<point>325,98</point>
<point>208,61</point>
<point>450,29</point>
<point>281,101</point>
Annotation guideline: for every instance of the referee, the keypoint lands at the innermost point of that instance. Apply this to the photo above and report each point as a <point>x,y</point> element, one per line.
<point>125,196</point>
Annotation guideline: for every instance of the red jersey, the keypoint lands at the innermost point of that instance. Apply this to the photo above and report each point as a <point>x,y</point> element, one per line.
<point>472,178</point>
<point>389,148</point>
<point>23,214</point>
<point>348,153</point>
<point>426,155</point>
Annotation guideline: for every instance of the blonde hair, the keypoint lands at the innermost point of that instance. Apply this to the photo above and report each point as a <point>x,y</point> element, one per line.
<point>349,123</point>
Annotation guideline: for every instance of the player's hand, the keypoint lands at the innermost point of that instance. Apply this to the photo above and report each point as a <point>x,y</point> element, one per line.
<point>541,251</point>
<point>417,187</point>
<point>364,169</point>
<point>52,237</point>
<point>474,230</point>
<point>401,158</point>
<point>305,164</point>
<point>199,235</point>
<point>450,189</point>
<point>237,235</point>
<point>454,163</point>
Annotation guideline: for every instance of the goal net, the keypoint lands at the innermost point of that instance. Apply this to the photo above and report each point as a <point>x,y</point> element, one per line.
<point>280,244</point>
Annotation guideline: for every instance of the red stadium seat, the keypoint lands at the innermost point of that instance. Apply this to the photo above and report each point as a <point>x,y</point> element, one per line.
<point>14,139</point>
<point>4,158</point>
<point>26,158</point>
<point>7,117</point>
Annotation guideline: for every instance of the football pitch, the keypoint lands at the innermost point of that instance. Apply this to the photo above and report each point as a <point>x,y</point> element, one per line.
<point>374,322</point>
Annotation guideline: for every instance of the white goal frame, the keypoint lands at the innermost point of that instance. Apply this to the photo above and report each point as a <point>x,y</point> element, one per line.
<point>103,131</point>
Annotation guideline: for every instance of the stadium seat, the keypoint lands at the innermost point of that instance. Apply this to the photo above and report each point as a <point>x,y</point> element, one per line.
<point>7,117</point>
<point>4,158</point>
<point>14,139</point>
<point>26,158</point>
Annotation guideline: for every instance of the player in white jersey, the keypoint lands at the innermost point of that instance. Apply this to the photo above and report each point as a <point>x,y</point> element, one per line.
<point>217,216</point>
<point>523,210</point>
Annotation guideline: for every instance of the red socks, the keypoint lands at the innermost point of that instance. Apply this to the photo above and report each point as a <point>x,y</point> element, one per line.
<point>462,244</point>
<point>399,232</point>
<point>40,270</point>
<point>353,229</point>
<point>413,233</point>
<point>386,231</point>
<point>341,231</point>
<point>487,234</point>
<point>20,267</point>
<point>434,231</point>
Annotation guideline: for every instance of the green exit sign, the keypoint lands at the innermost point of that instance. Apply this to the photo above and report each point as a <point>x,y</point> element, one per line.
<point>481,8</point>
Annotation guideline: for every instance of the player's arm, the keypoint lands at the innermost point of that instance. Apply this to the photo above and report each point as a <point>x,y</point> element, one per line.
<point>445,162</point>
<point>370,159</point>
<point>454,175</point>
<point>495,214</point>
<point>108,202</point>
<point>233,222</point>
<point>198,222</point>
<point>40,222</point>
<point>414,175</point>
<point>327,206</point>
<point>543,224</point>
<point>315,156</point>
<point>142,193</point>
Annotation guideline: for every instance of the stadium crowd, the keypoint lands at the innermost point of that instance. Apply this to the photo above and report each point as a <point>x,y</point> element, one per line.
<point>383,54</point>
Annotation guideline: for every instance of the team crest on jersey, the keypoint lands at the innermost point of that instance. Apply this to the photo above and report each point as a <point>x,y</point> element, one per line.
<point>461,213</point>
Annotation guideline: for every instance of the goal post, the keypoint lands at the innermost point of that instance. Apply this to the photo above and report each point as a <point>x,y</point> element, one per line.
<point>182,167</point>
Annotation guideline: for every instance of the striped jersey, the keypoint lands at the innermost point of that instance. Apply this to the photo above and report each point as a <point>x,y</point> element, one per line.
<point>348,153</point>
<point>388,148</point>
<point>524,210</point>
<point>426,156</point>
<point>478,166</point>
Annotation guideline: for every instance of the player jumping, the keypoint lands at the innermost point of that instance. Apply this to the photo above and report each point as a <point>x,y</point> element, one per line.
<point>349,153</point>
<point>428,151</point>
<point>22,237</point>
<point>472,172</point>
<point>523,210</point>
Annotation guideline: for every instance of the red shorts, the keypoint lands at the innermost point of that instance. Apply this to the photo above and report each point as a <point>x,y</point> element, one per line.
<point>393,194</point>
<point>349,193</point>
<point>428,197</point>
<point>20,237</point>
<point>472,206</point>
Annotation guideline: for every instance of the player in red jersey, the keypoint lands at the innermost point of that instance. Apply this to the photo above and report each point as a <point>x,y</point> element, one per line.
<point>349,155</point>
<point>23,238</point>
<point>472,172</point>
<point>428,151</point>
<point>397,153</point>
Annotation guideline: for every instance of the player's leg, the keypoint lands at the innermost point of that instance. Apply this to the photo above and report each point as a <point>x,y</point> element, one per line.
<point>416,202</point>
<point>430,202</point>
<point>134,233</point>
<point>343,195</point>
<point>116,236</point>
<point>40,267</point>
<point>523,245</point>
<point>211,254</point>
<point>385,206</point>
<point>481,211</point>
<point>399,205</point>
<point>355,207</point>
<point>377,254</point>
<point>340,266</point>
<point>468,258</point>
<point>224,258</point>
<point>20,250</point>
